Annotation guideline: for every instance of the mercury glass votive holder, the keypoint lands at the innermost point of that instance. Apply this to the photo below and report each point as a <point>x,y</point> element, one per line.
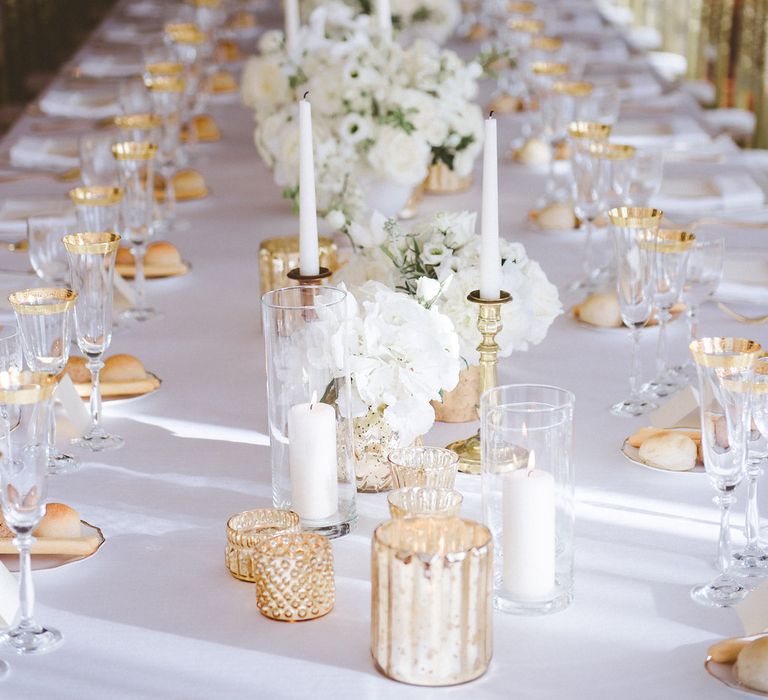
<point>245,531</point>
<point>528,495</point>
<point>423,466</point>
<point>431,600</point>
<point>423,501</point>
<point>294,577</point>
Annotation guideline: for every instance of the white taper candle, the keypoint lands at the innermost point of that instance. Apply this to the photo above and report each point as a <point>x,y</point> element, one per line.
<point>490,258</point>
<point>292,24</point>
<point>309,256</point>
<point>384,18</point>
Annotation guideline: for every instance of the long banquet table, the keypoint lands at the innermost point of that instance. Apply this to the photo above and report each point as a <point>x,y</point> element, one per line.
<point>155,614</point>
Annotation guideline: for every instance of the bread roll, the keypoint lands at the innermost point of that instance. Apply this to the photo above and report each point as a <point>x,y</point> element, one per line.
<point>124,256</point>
<point>478,32</point>
<point>601,310</point>
<point>504,104</point>
<point>563,151</point>
<point>727,651</point>
<point>752,665</point>
<point>206,128</point>
<point>77,370</point>
<point>638,438</point>
<point>557,216</point>
<point>222,82</point>
<point>123,368</point>
<point>227,51</point>
<point>189,184</point>
<point>669,450</point>
<point>162,253</point>
<point>59,521</point>
<point>534,152</point>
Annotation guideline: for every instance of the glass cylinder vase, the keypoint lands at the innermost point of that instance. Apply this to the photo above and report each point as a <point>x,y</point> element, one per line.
<point>431,600</point>
<point>308,392</point>
<point>528,495</point>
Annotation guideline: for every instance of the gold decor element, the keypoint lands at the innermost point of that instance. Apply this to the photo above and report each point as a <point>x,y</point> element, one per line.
<point>372,441</point>
<point>527,26</point>
<point>245,531</point>
<point>184,33</point>
<point>522,7</point>
<point>278,256</point>
<point>549,44</point>
<point>725,353</point>
<point>635,217</point>
<point>612,151</point>
<point>669,241</point>
<point>431,600</point>
<point>164,83</point>
<point>504,103</point>
<point>549,68</point>
<point>96,196</point>
<point>442,180</point>
<point>294,577</point>
<point>91,243</point>
<point>42,301</point>
<point>489,325</point>
<point>25,388</point>
<point>572,88</point>
<point>138,122</point>
<point>424,501</point>
<point>160,68</point>
<point>460,404</point>
<point>134,150</point>
<point>423,466</point>
<point>478,31</point>
<point>592,131</point>
<point>741,318</point>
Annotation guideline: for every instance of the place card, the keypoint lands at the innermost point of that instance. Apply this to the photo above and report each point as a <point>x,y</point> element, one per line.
<point>753,610</point>
<point>125,289</point>
<point>73,404</point>
<point>681,411</point>
<point>9,596</point>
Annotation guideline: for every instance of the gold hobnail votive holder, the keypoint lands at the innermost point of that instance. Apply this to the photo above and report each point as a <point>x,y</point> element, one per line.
<point>245,531</point>
<point>431,600</point>
<point>294,577</point>
<point>442,180</point>
<point>421,465</point>
<point>424,501</point>
<point>278,256</point>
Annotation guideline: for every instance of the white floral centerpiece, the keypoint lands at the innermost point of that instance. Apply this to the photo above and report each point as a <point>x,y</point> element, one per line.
<point>404,353</point>
<point>435,20</point>
<point>381,114</point>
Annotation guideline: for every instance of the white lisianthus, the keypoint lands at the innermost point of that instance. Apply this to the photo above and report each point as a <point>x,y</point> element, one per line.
<point>335,219</point>
<point>264,84</point>
<point>354,128</point>
<point>400,157</point>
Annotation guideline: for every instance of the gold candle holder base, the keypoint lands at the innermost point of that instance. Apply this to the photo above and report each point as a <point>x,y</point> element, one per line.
<point>309,280</point>
<point>489,325</point>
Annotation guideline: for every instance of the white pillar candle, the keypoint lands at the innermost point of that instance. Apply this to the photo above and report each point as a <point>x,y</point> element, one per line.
<point>312,460</point>
<point>291,26</point>
<point>490,258</point>
<point>384,18</point>
<point>309,256</point>
<point>529,533</point>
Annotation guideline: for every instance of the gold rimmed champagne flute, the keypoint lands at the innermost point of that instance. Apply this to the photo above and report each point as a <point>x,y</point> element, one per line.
<point>92,266</point>
<point>25,399</point>
<point>141,126</point>
<point>135,161</point>
<point>97,207</point>
<point>44,318</point>
<point>725,368</point>
<point>630,227</point>
<point>670,249</point>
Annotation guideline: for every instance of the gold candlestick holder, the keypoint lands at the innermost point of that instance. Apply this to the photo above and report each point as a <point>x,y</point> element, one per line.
<point>309,280</point>
<point>489,324</point>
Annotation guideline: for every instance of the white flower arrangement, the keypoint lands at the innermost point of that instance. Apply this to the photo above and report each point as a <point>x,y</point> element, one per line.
<point>435,20</point>
<point>402,356</point>
<point>380,112</point>
<point>438,260</point>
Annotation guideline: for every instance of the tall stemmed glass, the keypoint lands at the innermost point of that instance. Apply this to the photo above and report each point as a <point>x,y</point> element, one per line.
<point>167,93</point>
<point>23,472</point>
<point>726,368</point>
<point>11,356</point>
<point>631,228</point>
<point>97,208</point>
<point>92,265</point>
<point>136,160</point>
<point>139,126</point>
<point>44,317</point>
<point>588,188</point>
<point>645,177</point>
<point>615,162</point>
<point>670,257</point>
<point>703,273</point>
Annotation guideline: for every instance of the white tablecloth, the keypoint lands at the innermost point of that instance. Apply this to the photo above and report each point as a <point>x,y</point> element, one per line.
<point>155,614</point>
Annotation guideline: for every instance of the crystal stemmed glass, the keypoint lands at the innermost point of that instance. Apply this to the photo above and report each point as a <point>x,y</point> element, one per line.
<point>133,97</point>
<point>92,265</point>
<point>136,161</point>
<point>11,356</point>
<point>44,317</point>
<point>167,93</point>
<point>725,367</point>
<point>96,164</point>
<point>670,257</point>
<point>97,207</point>
<point>630,227</point>
<point>645,177</point>
<point>616,161</point>
<point>23,473</point>
<point>139,126</point>
<point>46,254</point>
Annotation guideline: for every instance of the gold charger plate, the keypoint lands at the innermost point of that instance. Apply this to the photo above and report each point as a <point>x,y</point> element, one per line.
<point>633,455</point>
<point>154,271</point>
<point>52,552</point>
<point>122,390</point>
<point>726,674</point>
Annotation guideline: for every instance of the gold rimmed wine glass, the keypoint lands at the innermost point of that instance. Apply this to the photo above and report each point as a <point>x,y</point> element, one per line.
<point>97,207</point>
<point>92,266</point>
<point>143,126</point>
<point>44,318</point>
<point>136,160</point>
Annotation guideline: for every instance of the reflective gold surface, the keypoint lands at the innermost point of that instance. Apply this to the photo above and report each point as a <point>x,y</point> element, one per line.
<point>43,301</point>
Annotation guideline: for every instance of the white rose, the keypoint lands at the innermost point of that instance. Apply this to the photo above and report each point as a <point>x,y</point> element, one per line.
<point>427,291</point>
<point>399,157</point>
<point>271,41</point>
<point>264,85</point>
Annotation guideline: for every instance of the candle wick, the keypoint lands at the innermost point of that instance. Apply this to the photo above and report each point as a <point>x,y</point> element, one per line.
<point>305,94</point>
<point>490,116</point>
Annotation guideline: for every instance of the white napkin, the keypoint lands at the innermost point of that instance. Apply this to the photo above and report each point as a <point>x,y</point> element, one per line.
<point>104,66</point>
<point>9,596</point>
<point>745,278</point>
<point>73,405</point>
<point>78,105</point>
<point>677,131</point>
<point>15,212</point>
<point>736,190</point>
<point>123,34</point>
<point>753,610</point>
<point>41,152</point>
<point>144,8</point>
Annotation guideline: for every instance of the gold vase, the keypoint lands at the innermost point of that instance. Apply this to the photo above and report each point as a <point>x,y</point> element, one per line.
<point>278,256</point>
<point>460,405</point>
<point>442,180</point>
